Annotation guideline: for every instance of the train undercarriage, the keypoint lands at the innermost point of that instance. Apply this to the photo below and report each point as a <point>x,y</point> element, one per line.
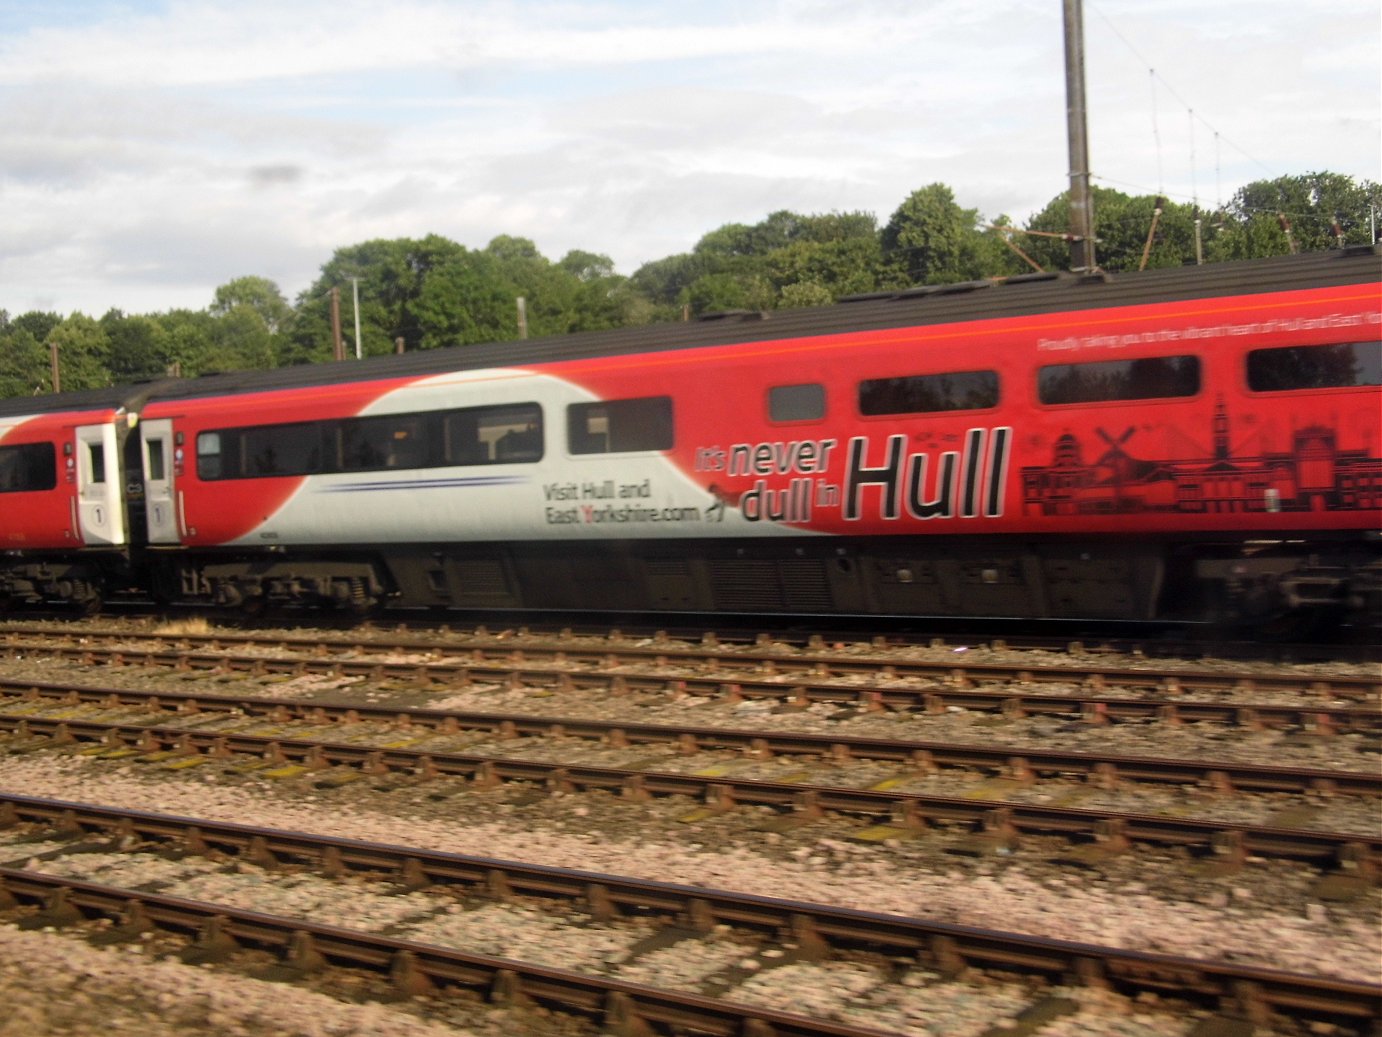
<point>82,582</point>
<point>1247,583</point>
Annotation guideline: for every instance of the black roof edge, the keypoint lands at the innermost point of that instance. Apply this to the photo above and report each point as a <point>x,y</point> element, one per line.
<point>742,315</point>
<point>1035,275</point>
<point>866,297</point>
<point>1375,249</point>
<point>954,287</point>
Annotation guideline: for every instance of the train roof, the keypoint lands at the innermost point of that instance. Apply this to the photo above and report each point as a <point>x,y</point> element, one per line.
<point>1022,295</point>
<point>110,398</point>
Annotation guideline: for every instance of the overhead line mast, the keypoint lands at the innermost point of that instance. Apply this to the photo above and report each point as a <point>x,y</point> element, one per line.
<point>1081,199</point>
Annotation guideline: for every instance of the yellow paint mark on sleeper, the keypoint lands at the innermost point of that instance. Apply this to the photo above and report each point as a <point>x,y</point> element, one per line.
<point>882,833</point>
<point>290,771</point>
<point>185,763</point>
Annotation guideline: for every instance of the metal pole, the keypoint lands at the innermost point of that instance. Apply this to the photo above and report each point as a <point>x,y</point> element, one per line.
<point>337,348</point>
<point>1081,199</point>
<point>522,317</point>
<point>53,362</point>
<point>355,288</point>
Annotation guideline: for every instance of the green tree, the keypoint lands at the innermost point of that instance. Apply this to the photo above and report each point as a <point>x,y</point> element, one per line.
<point>24,366</point>
<point>930,239</point>
<point>601,299</point>
<point>465,300</point>
<point>579,293</point>
<point>1253,225</point>
<point>786,259</point>
<point>258,294</point>
<point>38,324</point>
<point>838,226</point>
<point>1122,225</point>
<point>1315,208</point>
<point>665,282</point>
<point>137,348</point>
<point>241,341</point>
<point>547,290</point>
<point>805,293</point>
<point>727,242</point>
<point>587,266</point>
<point>835,268</point>
<point>190,343</point>
<point>83,353</point>
<point>509,249</point>
<point>714,293</point>
<point>391,276</point>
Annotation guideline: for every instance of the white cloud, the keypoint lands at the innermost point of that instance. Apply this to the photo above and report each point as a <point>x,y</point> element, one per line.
<point>261,136</point>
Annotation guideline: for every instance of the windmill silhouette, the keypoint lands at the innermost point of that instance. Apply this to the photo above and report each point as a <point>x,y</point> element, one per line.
<point>1116,467</point>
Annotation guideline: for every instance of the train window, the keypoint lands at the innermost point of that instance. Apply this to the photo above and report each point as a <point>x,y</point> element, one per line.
<point>928,393</point>
<point>96,458</point>
<point>1149,378</point>
<point>28,466</point>
<point>246,453</point>
<point>614,426</point>
<point>209,455</point>
<point>156,470</point>
<point>506,434</point>
<point>475,435</point>
<point>796,402</point>
<point>1342,365</point>
<point>294,449</point>
<point>389,441</point>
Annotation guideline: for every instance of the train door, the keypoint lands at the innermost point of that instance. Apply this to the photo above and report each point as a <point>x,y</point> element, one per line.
<point>134,489</point>
<point>160,502</point>
<point>100,501</point>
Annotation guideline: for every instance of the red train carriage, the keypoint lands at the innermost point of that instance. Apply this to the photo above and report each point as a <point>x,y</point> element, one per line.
<point>1174,443</point>
<point>64,499</point>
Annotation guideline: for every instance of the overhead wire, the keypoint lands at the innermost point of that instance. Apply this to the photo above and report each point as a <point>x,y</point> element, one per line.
<point>1157,77</point>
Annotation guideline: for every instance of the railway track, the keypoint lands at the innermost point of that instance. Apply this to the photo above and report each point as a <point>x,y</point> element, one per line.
<point>381,749</point>
<point>1096,693</point>
<point>810,674</point>
<point>689,739</point>
<point>1186,643</point>
<point>757,741</point>
<point>811,932</point>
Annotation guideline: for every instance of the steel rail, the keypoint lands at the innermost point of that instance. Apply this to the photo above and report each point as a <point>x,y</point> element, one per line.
<point>518,724</point>
<point>1014,701</point>
<point>910,813</point>
<point>948,946</point>
<point>743,663</point>
<point>1023,762</point>
<point>419,967</point>
<point>1112,640</point>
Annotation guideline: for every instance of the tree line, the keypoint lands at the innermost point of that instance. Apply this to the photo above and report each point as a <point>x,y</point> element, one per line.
<point>433,292</point>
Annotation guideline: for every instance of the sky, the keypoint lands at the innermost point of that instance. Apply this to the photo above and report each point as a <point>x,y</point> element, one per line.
<point>152,151</point>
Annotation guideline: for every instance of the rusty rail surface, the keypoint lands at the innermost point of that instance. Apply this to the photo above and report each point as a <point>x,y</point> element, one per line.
<point>919,755</point>
<point>757,672</point>
<point>948,947</point>
<point>910,813</point>
<point>416,968</point>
